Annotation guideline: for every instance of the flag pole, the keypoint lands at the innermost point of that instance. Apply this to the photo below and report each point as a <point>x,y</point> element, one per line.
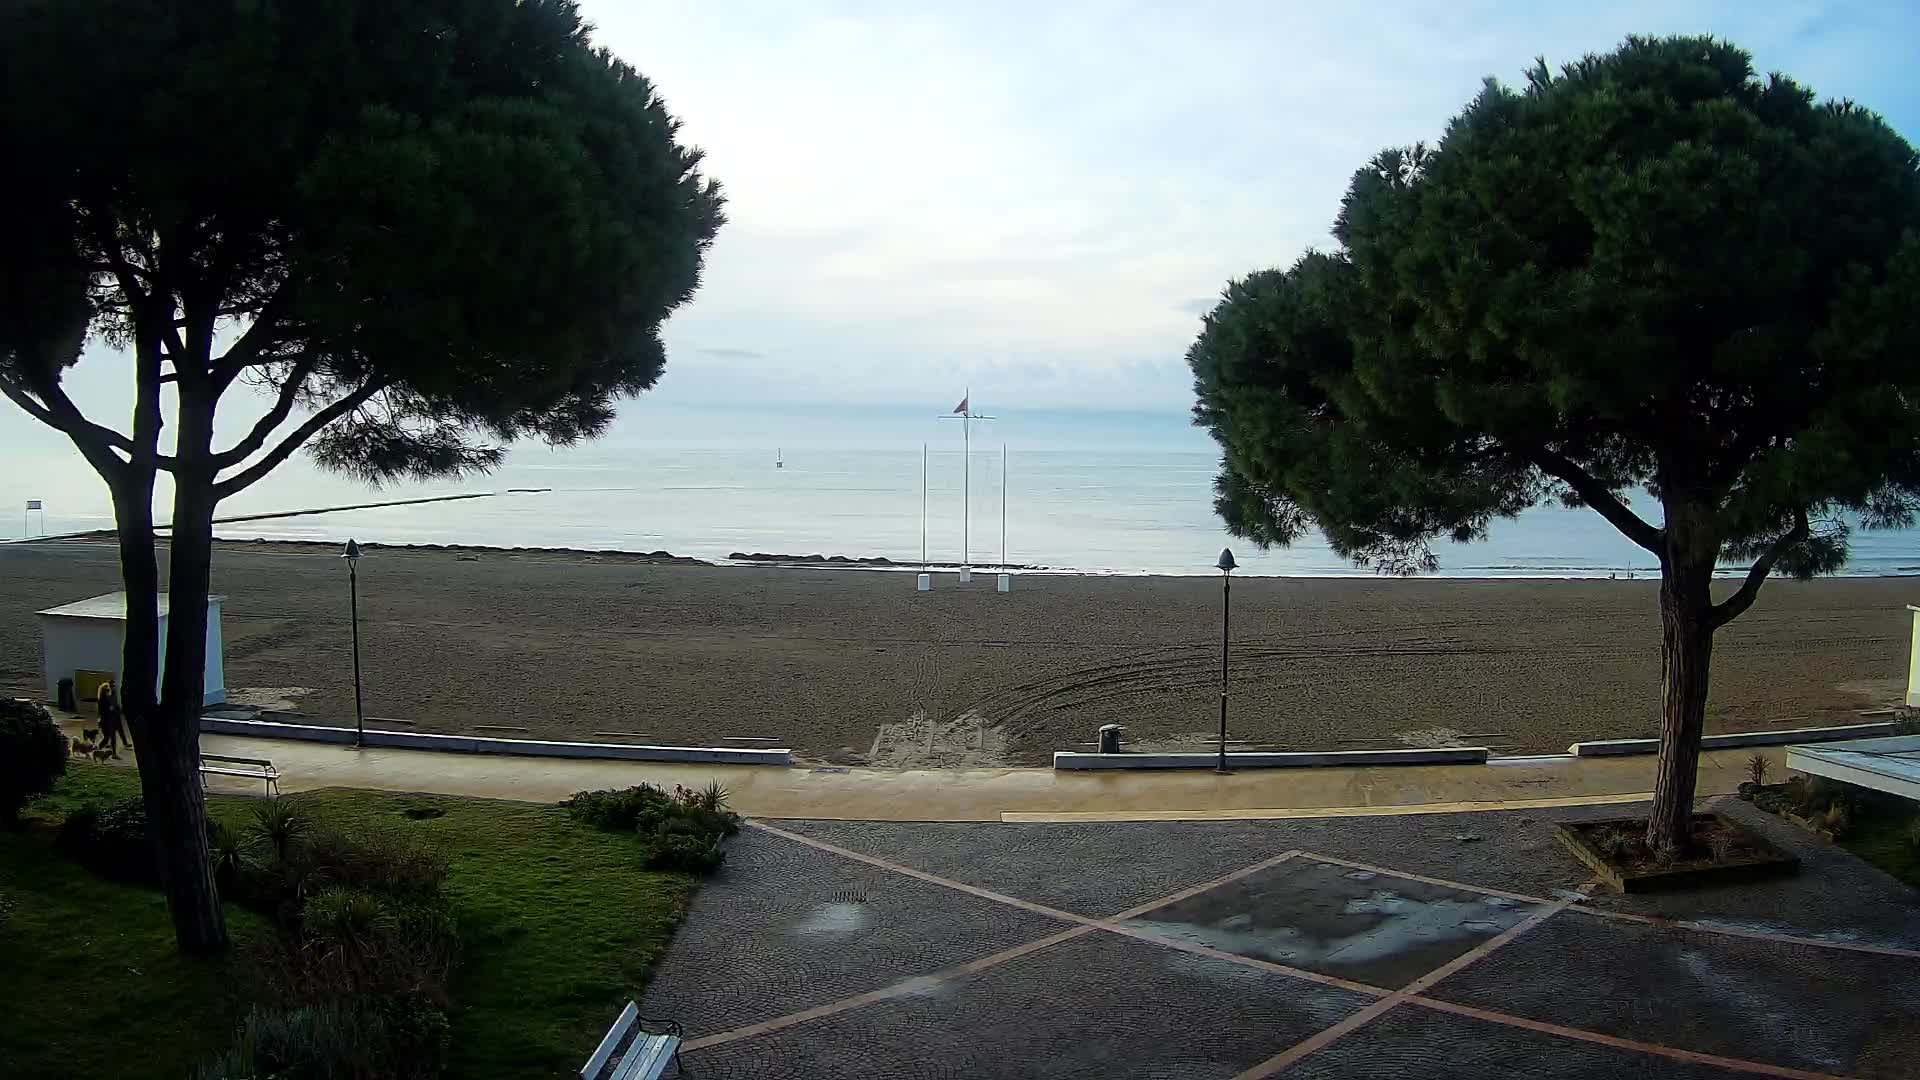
<point>1003,507</point>
<point>923,505</point>
<point>965,414</point>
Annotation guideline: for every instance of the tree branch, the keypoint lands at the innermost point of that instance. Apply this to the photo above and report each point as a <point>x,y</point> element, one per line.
<point>1603,501</point>
<point>109,241</point>
<point>264,427</point>
<point>246,351</point>
<point>57,411</point>
<point>1733,606</point>
<point>240,481</point>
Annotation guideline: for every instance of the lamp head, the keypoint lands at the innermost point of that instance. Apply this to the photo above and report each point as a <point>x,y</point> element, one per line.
<point>1226,563</point>
<point>352,553</point>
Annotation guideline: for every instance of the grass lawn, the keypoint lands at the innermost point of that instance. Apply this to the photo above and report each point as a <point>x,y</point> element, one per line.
<point>1881,838</point>
<point>94,984</point>
<point>559,926</point>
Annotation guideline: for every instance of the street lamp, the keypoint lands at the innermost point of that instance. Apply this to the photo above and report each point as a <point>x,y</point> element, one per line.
<point>352,555</point>
<point>1226,565</point>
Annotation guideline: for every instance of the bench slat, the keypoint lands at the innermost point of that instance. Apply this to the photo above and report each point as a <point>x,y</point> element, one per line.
<point>262,762</point>
<point>628,1016</point>
<point>647,1058</point>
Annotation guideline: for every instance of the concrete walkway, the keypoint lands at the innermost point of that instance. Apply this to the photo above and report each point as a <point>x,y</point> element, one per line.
<point>1421,947</point>
<point>838,792</point>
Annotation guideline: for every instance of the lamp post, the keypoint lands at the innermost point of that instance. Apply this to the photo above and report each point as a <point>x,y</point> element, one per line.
<point>1226,565</point>
<point>352,555</point>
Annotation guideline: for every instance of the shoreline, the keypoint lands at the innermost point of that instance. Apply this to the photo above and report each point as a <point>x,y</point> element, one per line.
<point>817,561</point>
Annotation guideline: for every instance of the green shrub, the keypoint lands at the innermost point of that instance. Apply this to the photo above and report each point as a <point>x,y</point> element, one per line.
<point>33,754</point>
<point>227,849</point>
<point>385,863</point>
<point>681,831</point>
<point>1757,766</point>
<point>397,1038</point>
<point>634,808</point>
<point>1907,722</point>
<point>76,831</point>
<point>278,822</point>
<point>694,852</point>
<point>394,864</point>
<point>113,843</point>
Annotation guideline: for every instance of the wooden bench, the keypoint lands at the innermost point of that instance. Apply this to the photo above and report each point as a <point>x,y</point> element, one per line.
<point>630,1052</point>
<point>251,768</point>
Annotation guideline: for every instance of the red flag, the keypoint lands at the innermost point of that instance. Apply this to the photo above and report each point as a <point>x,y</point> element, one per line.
<point>961,409</point>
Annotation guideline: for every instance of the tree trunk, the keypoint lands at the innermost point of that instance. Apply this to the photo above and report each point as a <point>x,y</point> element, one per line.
<point>170,754</point>
<point>1686,651</point>
<point>139,576</point>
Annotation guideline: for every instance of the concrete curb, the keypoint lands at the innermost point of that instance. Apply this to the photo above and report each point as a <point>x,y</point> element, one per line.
<point>1466,755</point>
<point>474,744</point>
<point>1734,740</point>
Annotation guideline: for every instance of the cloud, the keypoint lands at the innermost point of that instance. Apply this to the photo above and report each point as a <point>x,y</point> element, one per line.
<point>924,196</point>
<point>732,354</point>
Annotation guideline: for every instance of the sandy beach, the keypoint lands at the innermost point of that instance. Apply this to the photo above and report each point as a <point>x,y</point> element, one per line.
<point>854,666</point>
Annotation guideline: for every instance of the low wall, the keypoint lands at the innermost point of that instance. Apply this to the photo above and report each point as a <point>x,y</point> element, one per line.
<point>474,744</point>
<point>1735,739</point>
<point>1466,755</point>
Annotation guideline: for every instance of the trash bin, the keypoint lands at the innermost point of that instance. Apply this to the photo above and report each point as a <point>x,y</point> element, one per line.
<point>1110,738</point>
<point>66,700</point>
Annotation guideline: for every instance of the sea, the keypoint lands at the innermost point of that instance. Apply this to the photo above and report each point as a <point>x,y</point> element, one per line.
<point>1092,491</point>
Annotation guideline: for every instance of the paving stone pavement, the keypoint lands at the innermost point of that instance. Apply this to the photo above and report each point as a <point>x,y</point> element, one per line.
<point>1451,945</point>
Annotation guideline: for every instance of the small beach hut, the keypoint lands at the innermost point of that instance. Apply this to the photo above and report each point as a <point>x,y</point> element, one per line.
<point>82,641</point>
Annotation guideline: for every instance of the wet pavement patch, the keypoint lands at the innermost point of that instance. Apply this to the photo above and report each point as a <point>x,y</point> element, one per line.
<point>1354,924</point>
<point>1823,1010</point>
<point>1095,1008</point>
<point>782,928</point>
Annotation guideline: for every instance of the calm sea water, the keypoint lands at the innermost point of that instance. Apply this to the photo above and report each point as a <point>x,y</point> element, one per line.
<point>1098,491</point>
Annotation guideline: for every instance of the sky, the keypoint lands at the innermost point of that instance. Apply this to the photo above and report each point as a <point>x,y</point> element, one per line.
<point>1038,201</point>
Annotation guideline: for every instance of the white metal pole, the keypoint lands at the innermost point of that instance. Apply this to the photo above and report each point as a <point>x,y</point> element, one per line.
<point>923,504</point>
<point>966,486</point>
<point>1003,507</point>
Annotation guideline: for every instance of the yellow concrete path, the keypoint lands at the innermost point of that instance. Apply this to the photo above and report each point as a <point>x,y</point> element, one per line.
<point>994,794</point>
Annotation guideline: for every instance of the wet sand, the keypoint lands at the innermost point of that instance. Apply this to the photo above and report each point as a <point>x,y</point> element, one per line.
<point>854,666</point>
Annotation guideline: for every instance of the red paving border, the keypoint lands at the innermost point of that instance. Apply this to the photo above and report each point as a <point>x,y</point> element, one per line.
<point>1389,1000</point>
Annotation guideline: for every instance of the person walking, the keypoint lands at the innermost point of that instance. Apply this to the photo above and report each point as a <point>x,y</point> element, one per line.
<point>112,723</point>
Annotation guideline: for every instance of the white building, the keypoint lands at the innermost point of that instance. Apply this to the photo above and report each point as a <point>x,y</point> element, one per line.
<point>87,636</point>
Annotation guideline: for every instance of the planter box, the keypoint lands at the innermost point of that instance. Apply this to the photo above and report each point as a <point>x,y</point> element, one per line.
<point>1762,860</point>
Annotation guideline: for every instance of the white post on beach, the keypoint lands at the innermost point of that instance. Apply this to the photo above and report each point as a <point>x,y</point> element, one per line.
<point>966,416</point>
<point>1006,576</point>
<point>966,493</point>
<point>923,583</point>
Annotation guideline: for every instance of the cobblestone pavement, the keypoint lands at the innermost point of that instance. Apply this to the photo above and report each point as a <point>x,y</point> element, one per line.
<point>1458,945</point>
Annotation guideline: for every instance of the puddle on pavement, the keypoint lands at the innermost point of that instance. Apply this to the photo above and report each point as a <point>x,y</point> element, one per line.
<point>836,921</point>
<point>1357,925</point>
